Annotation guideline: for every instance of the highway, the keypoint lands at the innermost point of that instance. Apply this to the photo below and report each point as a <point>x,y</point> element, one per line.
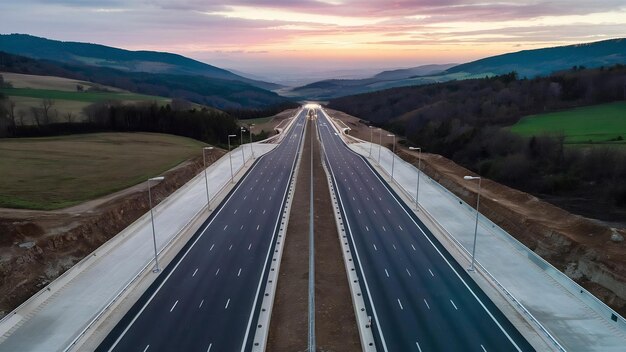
<point>208,298</point>
<point>419,297</point>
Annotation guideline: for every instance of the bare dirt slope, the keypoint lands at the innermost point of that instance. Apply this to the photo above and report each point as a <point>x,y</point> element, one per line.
<point>38,246</point>
<point>582,248</point>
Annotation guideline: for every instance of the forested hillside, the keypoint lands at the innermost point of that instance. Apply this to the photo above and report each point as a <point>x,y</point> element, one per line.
<point>468,121</point>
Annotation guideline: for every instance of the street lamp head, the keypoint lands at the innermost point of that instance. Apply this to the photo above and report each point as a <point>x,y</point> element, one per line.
<point>391,135</point>
<point>232,135</point>
<point>471,177</point>
<point>158,178</point>
<point>415,148</point>
<point>207,148</point>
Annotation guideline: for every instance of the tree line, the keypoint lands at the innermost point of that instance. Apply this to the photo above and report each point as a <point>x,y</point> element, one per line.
<point>466,121</point>
<point>207,125</point>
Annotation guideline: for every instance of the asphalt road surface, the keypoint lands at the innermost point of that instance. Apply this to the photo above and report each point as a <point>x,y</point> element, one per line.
<point>208,297</point>
<point>419,297</point>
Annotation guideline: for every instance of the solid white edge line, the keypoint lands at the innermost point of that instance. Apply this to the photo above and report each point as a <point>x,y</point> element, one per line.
<point>437,249</point>
<point>222,207</point>
<point>369,295</point>
<point>269,251</point>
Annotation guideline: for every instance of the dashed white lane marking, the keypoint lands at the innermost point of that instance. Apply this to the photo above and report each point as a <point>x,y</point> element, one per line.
<point>250,211</point>
<point>201,303</point>
<point>389,211</point>
<point>244,197</point>
<point>257,198</point>
<point>217,272</point>
<point>359,210</point>
<point>239,272</point>
<point>408,272</point>
<point>418,346</point>
<point>483,347</point>
<point>380,198</point>
<point>386,272</point>
<point>367,228</point>
<point>227,303</point>
<point>394,247</point>
<point>241,228</point>
<point>235,212</point>
<point>374,211</point>
<point>225,227</point>
<point>413,247</point>
<point>353,198</point>
<point>175,303</point>
<point>375,248</point>
<point>145,349</point>
<point>213,245</point>
<point>270,197</point>
<point>401,229</point>
<point>257,227</point>
<point>400,304</point>
<point>263,211</point>
<point>384,229</point>
<point>194,273</point>
<point>209,349</point>
<point>249,246</point>
<point>231,247</point>
<point>431,273</point>
<point>454,305</point>
<point>427,306</point>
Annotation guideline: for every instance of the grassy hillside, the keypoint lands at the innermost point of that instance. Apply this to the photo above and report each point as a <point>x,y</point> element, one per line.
<point>89,97</point>
<point>605,123</point>
<point>29,90</point>
<point>56,172</point>
<point>218,93</point>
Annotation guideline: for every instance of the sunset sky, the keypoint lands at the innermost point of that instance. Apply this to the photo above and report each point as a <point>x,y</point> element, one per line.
<point>273,37</point>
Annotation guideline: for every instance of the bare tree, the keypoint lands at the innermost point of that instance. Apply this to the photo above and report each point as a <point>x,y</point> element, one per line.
<point>12,112</point>
<point>69,117</point>
<point>36,112</point>
<point>21,114</point>
<point>46,105</point>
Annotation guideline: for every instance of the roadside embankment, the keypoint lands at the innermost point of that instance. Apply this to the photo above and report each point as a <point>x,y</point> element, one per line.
<point>592,254</point>
<point>38,246</point>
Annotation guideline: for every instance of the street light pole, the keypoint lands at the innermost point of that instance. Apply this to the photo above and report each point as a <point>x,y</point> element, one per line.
<point>471,268</point>
<point>393,158</point>
<point>156,258</point>
<point>230,157</point>
<point>371,137</point>
<point>380,143</point>
<point>419,171</point>
<point>251,149</point>
<point>243,156</point>
<point>206,178</point>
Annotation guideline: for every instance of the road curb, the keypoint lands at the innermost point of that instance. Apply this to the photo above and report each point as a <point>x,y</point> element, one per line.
<point>360,310</point>
<point>267,304</point>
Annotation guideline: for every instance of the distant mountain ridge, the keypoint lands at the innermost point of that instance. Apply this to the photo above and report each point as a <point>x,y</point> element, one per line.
<point>332,88</point>
<point>527,63</point>
<point>540,62</point>
<point>214,92</point>
<point>120,59</point>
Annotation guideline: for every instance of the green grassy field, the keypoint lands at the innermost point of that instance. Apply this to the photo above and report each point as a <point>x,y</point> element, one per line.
<point>57,172</point>
<point>89,97</point>
<point>598,124</point>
